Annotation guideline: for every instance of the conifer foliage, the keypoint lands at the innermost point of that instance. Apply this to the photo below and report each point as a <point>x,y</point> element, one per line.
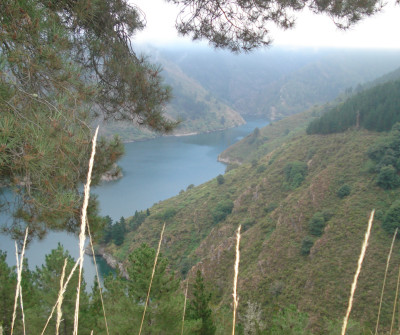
<point>377,108</point>
<point>243,25</point>
<point>199,307</point>
<point>62,64</point>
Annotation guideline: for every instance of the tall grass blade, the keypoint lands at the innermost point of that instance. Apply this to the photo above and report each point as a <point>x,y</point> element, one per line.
<point>184,305</point>
<point>98,277</point>
<point>60,295</point>
<point>82,234</point>
<point>59,311</point>
<point>384,281</point>
<point>360,261</point>
<point>18,290</point>
<point>235,297</point>
<point>395,303</point>
<point>151,279</point>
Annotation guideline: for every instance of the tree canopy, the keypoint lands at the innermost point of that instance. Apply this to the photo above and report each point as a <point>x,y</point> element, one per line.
<point>242,25</point>
<point>63,65</point>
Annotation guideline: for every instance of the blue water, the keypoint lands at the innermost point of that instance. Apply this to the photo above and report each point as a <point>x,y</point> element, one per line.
<point>153,170</point>
<point>158,169</point>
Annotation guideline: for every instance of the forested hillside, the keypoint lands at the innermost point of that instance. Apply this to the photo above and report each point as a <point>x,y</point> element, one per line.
<point>376,109</point>
<point>303,206</point>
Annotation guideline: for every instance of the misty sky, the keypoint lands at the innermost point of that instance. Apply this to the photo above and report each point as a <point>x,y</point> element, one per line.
<point>380,31</point>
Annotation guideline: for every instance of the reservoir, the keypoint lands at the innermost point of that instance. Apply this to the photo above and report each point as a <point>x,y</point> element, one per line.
<point>153,170</point>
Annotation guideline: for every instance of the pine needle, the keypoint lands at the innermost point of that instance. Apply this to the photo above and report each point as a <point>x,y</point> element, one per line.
<point>98,277</point>
<point>395,302</point>
<point>235,297</point>
<point>184,306</point>
<point>59,311</point>
<point>384,281</point>
<point>151,279</point>
<point>82,234</point>
<point>360,261</point>
<point>18,290</point>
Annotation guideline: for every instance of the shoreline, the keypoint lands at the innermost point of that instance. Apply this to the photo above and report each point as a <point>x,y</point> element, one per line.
<point>184,134</point>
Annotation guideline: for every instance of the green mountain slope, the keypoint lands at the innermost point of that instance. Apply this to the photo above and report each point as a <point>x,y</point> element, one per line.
<point>197,109</point>
<point>275,198</point>
<point>376,108</point>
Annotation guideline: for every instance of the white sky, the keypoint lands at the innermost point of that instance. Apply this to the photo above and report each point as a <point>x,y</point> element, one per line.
<point>379,31</point>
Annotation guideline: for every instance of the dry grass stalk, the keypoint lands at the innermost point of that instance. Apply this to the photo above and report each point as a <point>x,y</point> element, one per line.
<point>18,290</point>
<point>82,234</point>
<point>395,303</point>
<point>235,297</point>
<point>59,311</point>
<point>98,278</point>
<point>60,295</point>
<point>360,261</point>
<point>384,281</point>
<point>151,279</point>
<point>184,306</point>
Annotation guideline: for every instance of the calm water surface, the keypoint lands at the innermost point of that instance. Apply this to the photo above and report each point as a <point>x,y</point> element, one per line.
<point>153,170</point>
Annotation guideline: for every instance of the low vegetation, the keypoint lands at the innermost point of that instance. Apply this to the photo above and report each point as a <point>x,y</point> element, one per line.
<point>304,217</point>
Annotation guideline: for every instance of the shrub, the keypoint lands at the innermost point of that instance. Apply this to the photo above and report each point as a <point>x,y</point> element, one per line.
<point>388,178</point>
<point>391,220</point>
<point>379,215</point>
<point>343,191</point>
<point>222,210</point>
<point>295,173</point>
<point>306,245</point>
<point>271,207</point>
<point>167,214</point>
<point>247,223</point>
<point>220,179</point>
<point>261,168</point>
<point>231,167</point>
<point>317,224</point>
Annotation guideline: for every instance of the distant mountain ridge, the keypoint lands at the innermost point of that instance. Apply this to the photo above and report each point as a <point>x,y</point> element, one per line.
<point>214,90</point>
<point>280,81</point>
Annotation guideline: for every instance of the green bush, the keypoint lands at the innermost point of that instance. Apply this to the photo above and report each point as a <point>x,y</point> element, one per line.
<point>343,191</point>
<point>306,245</point>
<point>388,178</point>
<point>231,166</point>
<point>271,207</point>
<point>391,220</point>
<point>295,173</point>
<point>289,321</point>
<point>328,214</point>
<point>222,210</point>
<point>166,214</point>
<point>379,215</point>
<point>261,168</point>
<point>247,223</point>
<point>317,224</point>
<point>220,179</point>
